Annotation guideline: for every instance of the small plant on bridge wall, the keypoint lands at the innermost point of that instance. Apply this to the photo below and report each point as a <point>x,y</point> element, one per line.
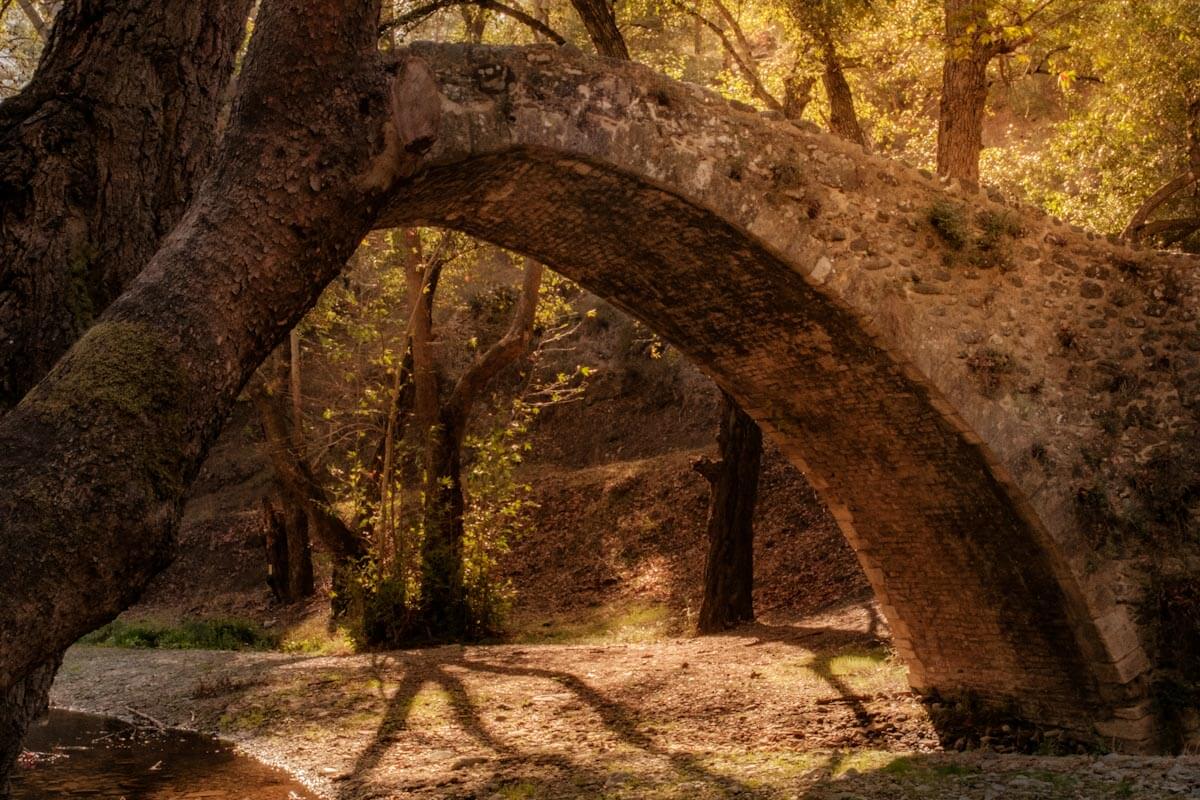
<point>992,247</point>
<point>950,223</point>
<point>989,365</point>
<point>987,249</point>
<point>1152,506</point>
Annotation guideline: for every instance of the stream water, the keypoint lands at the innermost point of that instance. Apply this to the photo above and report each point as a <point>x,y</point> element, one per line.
<point>83,755</point>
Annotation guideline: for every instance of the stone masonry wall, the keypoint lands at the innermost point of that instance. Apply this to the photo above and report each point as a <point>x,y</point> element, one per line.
<point>988,400</point>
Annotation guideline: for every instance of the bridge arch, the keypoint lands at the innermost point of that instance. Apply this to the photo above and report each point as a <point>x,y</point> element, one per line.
<point>805,278</point>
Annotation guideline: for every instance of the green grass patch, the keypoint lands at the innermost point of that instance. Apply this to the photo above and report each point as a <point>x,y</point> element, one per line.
<point>248,719</point>
<point>603,625</point>
<point>521,790</point>
<point>863,761</point>
<point>899,766</point>
<point>208,634</point>
<point>953,770</point>
<point>315,636</point>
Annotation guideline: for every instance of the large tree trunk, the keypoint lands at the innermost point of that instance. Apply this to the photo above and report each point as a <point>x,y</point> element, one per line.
<point>601,23</point>
<point>964,92</point>
<point>95,460</point>
<point>99,155</point>
<point>729,570</point>
<point>960,117</point>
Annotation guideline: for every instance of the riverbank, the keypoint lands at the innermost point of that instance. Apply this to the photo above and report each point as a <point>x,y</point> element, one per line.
<point>818,710</point>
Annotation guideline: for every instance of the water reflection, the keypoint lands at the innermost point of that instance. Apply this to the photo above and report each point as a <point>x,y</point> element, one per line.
<point>83,755</point>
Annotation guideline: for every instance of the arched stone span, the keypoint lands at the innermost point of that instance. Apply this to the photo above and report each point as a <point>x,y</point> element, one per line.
<point>886,359</point>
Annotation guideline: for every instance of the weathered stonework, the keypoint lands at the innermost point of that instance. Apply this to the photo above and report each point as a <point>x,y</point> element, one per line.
<point>965,382</point>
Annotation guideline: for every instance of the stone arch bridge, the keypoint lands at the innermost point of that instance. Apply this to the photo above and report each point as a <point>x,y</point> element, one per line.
<point>982,395</point>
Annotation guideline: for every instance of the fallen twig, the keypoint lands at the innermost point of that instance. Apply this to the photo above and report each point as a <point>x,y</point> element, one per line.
<point>142,715</point>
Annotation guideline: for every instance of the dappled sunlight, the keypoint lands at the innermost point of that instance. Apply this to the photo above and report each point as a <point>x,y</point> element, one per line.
<point>389,383</point>
<point>702,717</point>
<point>629,622</point>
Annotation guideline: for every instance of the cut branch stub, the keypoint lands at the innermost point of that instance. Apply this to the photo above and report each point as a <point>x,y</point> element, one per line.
<point>416,111</point>
<point>709,468</point>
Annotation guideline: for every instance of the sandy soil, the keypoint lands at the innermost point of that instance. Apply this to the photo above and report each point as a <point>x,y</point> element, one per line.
<point>817,710</point>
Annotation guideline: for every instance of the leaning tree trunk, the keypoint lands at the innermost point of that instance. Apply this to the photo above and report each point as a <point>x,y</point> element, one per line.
<point>843,120</point>
<point>299,504</point>
<point>1137,228</point>
<point>99,155</point>
<point>600,20</point>
<point>729,570</point>
<point>301,491</point>
<point>289,554</point>
<point>95,460</point>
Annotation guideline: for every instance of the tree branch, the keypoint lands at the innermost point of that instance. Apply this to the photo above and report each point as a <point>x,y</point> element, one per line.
<point>738,33</point>
<point>35,19</point>
<point>410,18</point>
<point>504,352</point>
<point>748,71</point>
<point>1164,193</point>
<point>1179,228</point>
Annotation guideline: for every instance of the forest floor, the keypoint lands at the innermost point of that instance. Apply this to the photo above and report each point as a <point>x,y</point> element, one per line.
<point>815,709</point>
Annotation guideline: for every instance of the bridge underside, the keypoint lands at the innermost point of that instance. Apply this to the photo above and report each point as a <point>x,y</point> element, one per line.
<point>965,575</point>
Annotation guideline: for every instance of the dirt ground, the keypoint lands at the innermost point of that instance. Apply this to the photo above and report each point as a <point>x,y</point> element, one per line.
<point>817,709</point>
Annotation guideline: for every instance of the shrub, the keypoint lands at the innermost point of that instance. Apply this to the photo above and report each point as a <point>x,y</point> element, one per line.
<point>948,220</point>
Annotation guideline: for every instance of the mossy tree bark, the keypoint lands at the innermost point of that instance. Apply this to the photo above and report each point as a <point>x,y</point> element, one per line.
<point>94,461</point>
<point>729,570</point>
<point>99,156</point>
